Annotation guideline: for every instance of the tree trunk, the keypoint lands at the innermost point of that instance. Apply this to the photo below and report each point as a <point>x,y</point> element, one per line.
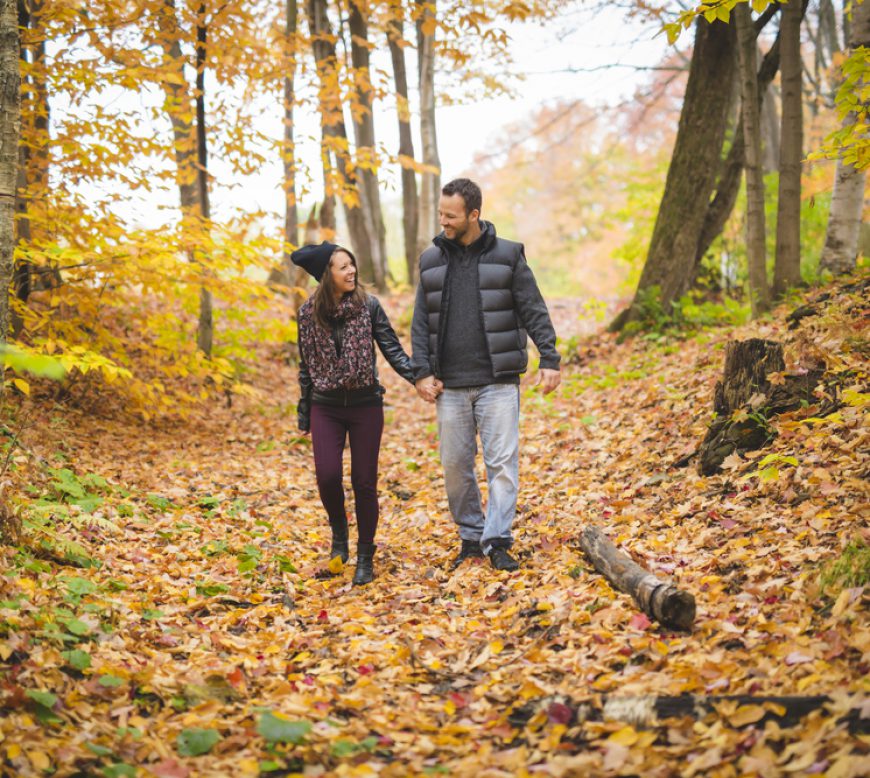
<point>771,137</point>
<point>652,711</point>
<point>364,132</point>
<point>297,278</point>
<point>728,185</point>
<point>658,599</point>
<point>189,145</point>
<point>692,173</point>
<point>410,201</point>
<point>787,263</point>
<point>755,231</point>
<point>430,189</point>
<point>205,325</point>
<point>335,138</point>
<point>10,117</point>
<point>840,252</point>
<point>21,273</point>
<point>745,386</point>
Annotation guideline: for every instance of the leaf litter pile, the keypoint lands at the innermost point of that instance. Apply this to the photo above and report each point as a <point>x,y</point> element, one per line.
<point>178,616</point>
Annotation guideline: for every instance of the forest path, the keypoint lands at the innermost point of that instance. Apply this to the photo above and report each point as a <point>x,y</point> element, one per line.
<point>212,609</point>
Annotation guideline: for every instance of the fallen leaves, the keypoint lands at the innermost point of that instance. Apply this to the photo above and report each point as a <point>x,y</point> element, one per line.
<point>215,637</point>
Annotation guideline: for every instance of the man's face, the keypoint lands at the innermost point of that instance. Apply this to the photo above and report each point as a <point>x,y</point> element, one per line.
<point>452,217</point>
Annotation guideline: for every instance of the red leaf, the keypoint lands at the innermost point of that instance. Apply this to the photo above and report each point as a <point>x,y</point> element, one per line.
<point>236,677</point>
<point>323,616</point>
<point>459,700</point>
<point>639,621</point>
<point>365,669</point>
<point>559,713</point>
<point>169,768</point>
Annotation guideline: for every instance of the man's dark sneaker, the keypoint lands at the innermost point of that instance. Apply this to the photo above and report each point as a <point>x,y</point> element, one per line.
<point>470,550</point>
<point>501,560</point>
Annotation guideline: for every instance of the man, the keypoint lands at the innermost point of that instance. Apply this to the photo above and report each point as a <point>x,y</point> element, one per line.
<point>476,300</point>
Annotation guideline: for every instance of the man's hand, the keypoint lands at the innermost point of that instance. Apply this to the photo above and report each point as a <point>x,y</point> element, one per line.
<point>429,388</point>
<point>548,379</point>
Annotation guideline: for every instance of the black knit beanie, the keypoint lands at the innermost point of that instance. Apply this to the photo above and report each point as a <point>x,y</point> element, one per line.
<point>314,259</point>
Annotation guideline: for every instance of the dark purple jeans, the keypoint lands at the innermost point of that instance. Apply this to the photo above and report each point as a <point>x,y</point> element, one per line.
<point>330,426</point>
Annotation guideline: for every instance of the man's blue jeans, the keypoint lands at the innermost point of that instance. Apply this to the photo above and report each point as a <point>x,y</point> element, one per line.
<point>493,411</point>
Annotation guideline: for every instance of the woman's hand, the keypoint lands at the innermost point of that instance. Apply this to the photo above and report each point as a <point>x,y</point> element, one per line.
<point>429,388</point>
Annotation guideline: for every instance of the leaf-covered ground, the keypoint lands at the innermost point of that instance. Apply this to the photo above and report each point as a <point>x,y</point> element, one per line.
<point>212,640</point>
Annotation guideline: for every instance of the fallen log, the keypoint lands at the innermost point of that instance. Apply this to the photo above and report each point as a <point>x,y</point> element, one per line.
<point>658,599</point>
<point>650,711</point>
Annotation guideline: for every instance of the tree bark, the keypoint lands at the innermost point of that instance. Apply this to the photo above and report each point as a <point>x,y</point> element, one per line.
<point>205,325</point>
<point>335,138</point>
<point>364,132</point>
<point>669,266</point>
<point>840,252</point>
<point>745,386</point>
<point>297,278</point>
<point>756,255</point>
<point>10,118</point>
<point>728,186</point>
<point>787,262</point>
<point>410,201</point>
<point>652,710</point>
<point>430,189</point>
<point>658,599</point>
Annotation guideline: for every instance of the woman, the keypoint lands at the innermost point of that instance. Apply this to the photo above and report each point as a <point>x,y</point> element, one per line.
<point>340,394</point>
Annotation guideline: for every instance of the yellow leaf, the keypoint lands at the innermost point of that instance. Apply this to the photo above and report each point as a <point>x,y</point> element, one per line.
<point>496,647</point>
<point>841,604</point>
<point>22,385</point>
<point>746,714</point>
<point>13,751</point>
<point>449,708</point>
<point>39,760</point>
<point>627,736</point>
<point>335,565</point>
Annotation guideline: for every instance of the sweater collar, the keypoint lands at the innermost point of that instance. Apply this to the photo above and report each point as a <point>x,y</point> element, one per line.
<point>483,242</point>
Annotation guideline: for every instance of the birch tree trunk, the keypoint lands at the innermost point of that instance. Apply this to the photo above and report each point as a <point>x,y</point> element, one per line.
<point>844,222</point>
<point>787,262</point>
<point>755,230</point>
<point>430,189</point>
<point>335,141</point>
<point>10,118</point>
<point>410,201</point>
<point>364,132</point>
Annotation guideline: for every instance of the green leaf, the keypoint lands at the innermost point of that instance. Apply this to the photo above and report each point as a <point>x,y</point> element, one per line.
<point>36,364</point>
<point>80,660</point>
<point>80,586</point>
<point>77,627</point>
<point>47,699</point>
<point>276,728</point>
<point>111,681</point>
<point>98,750</point>
<point>118,770</point>
<point>211,589</point>
<point>195,741</point>
<point>152,613</point>
<point>344,748</point>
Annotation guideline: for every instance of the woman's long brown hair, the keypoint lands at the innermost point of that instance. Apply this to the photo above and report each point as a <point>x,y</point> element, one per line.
<point>324,296</point>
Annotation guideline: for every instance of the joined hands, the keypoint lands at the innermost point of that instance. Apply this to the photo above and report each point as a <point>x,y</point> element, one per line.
<point>429,388</point>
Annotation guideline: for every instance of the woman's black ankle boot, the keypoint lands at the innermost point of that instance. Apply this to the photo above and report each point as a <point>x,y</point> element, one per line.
<point>339,542</point>
<point>364,564</point>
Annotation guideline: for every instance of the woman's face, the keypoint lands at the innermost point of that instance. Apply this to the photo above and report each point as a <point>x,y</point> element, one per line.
<point>343,272</point>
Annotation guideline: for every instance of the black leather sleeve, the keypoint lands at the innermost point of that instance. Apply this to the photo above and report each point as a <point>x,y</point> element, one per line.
<point>303,408</point>
<point>388,342</point>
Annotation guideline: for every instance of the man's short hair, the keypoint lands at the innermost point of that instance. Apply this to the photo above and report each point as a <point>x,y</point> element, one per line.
<point>467,190</point>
